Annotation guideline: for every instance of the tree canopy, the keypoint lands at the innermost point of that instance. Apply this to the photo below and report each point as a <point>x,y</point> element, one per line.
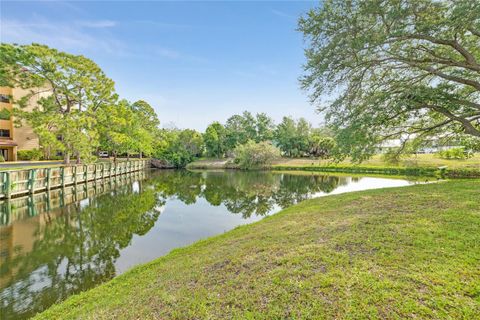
<point>292,136</point>
<point>178,147</point>
<point>215,140</point>
<point>389,69</point>
<point>77,89</point>
<point>75,108</point>
<point>245,127</point>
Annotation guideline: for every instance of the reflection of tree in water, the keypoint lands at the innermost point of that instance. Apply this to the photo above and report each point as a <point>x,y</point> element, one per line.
<point>182,184</point>
<point>75,250</point>
<point>296,188</point>
<point>243,192</point>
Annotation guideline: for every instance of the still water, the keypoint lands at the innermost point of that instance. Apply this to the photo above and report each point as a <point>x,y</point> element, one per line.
<point>56,244</point>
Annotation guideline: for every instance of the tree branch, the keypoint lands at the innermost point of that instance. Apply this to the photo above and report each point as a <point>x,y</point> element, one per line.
<point>445,76</point>
<point>474,32</point>
<point>452,43</point>
<point>467,125</point>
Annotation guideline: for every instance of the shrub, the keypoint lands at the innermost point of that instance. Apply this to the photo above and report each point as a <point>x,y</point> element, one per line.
<point>321,147</point>
<point>2,159</point>
<point>33,155</point>
<point>252,155</point>
<point>454,153</point>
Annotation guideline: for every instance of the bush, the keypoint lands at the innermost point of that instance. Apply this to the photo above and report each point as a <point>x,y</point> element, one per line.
<point>30,155</point>
<point>252,155</point>
<point>322,147</point>
<point>2,159</point>
<point>454,153</point>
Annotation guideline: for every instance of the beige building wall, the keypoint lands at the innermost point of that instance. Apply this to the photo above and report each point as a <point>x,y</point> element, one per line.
<point>8,147</point>
<point>21,137</point>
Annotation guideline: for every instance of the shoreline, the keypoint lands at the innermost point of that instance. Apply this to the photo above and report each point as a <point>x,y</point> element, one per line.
<point>435,167</point>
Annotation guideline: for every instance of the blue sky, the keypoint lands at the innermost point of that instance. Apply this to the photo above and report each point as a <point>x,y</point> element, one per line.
<point>195,62</point>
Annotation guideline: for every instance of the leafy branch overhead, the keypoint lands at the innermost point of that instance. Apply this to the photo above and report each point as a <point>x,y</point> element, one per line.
<point>395,69</point>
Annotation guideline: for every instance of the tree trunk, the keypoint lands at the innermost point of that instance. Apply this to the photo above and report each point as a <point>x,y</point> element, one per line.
<point>77,154</point>
<point>46,153</point>
<point>128,156</point>
<point>140,154</point>
<point>66,158</point>
<point>114,156</point>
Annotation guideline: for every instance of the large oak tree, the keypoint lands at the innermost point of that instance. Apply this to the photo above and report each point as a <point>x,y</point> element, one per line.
<point>394,69</point>
<point>73,89</point>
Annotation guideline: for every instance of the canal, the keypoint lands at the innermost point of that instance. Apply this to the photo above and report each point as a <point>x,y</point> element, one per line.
<point>56,244</point>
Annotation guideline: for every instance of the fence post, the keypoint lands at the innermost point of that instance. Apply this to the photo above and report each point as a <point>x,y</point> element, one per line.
<point>62,197</point>
<point>6,213</point>
<point>31,206</point>
<point>74,175</point>
<point>49,173</point>
<point>7,185</point>
<point>31,180</point>
<point>48,200</point>
<point>62,176</point>
<point>75,190</point>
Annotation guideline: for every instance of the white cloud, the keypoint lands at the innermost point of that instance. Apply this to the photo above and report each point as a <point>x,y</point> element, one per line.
<point>282,14</point>
<point>177,55</point>
<point>96,24</point>
<point>164,25</point>
<point>256,71</point>
<point>168,53</point>
<point>61,35</point>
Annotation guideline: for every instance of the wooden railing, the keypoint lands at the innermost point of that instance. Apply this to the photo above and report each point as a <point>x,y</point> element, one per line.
<point>21,182</point>
<point>51,201</point>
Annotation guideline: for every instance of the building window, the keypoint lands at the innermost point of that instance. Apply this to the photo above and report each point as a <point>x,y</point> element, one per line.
<point>5,114</point>
<point>4,133</point>
<point>4,98</point>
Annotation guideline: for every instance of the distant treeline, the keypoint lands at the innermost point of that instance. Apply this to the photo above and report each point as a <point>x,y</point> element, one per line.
<point>293,138</point>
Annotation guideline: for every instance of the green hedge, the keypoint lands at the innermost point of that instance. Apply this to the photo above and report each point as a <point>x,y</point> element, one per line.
<point>30,155</point>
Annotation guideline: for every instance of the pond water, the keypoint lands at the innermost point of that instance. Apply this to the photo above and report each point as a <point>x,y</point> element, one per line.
<point>56,244</point>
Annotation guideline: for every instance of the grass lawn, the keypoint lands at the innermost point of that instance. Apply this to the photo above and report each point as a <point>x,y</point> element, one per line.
<point>419,165</point>
<point>411,252</point>
<point>421,160</point>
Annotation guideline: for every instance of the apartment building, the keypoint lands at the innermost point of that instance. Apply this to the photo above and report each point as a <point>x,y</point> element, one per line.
<point>12,138</point>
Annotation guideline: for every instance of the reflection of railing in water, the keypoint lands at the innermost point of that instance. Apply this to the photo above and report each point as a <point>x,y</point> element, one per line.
<point>20,182</point>
<point>34,204</point>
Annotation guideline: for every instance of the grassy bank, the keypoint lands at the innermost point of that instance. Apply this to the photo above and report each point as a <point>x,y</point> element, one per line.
<point>411,252</point>
<point>420,165</point>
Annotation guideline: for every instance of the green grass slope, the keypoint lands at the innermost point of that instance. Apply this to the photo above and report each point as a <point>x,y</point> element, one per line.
<point>414,165</point>
<point>411,252</point>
